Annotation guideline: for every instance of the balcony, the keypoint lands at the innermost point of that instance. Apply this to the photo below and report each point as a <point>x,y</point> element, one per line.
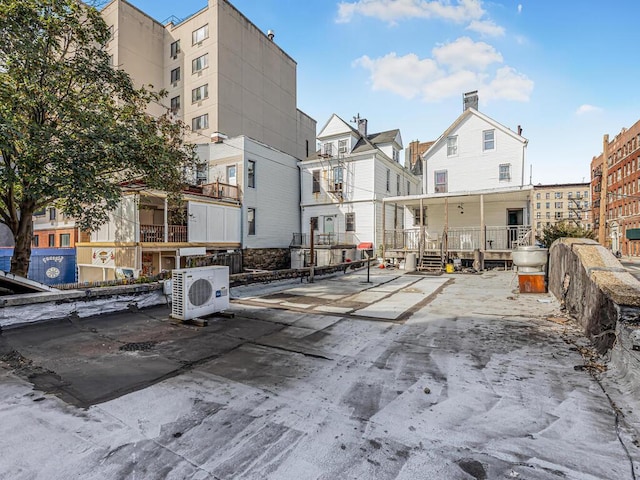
<point>302,240</point>
<point>221,191</point>
<point>155,233</point>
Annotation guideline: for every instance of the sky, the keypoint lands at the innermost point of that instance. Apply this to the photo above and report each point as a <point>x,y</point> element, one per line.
<point>565,71</point>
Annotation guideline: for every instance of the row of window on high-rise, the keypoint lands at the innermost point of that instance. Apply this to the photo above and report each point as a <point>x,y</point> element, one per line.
<point>570,195</point>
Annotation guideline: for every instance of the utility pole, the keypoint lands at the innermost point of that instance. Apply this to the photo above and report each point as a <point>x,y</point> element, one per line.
<point>311,250</point>
<point>602,227</point>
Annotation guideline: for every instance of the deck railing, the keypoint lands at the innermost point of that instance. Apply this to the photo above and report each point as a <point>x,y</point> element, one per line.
<point>467,238</point>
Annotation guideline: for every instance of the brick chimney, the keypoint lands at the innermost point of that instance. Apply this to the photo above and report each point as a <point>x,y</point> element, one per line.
<point>217,137</point>
<point>362,126</point>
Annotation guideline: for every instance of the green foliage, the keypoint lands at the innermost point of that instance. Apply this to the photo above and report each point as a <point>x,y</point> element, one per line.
<point>551,233</point>
<point>72,127</point>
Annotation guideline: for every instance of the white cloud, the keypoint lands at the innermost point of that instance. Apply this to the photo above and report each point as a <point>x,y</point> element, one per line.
<point>508,84</point>
<point>486,28</point>
<point>586,108</point>
<point>457,67</point>
<point>401,75</point>
<point>465,53</point>
<point>393,10</point>
<point>519,8</point>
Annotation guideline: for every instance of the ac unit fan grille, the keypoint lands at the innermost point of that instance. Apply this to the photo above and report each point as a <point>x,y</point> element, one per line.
<point>200,292</point>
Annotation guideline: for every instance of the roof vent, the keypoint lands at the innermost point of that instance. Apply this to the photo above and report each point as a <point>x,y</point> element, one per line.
<point>271,34</point>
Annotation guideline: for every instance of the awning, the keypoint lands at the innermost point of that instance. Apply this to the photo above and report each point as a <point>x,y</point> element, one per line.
<point>633,233</point>
<point>365,246</point>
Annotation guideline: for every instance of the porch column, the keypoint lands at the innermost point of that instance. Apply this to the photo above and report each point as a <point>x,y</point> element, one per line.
<point>166,223</point>
<point>483,227</point>
<point>446,227</point>
<point>384,230</point>
<point>421,236</point>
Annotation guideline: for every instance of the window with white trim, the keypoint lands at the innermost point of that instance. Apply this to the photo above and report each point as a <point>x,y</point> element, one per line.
<point>505,172</point>
<point>440,181</point>
<point>350,222</point>
<point>342,146</point>
<point>315,182</point>
<point>452,146</point>
<point>251,174</point>
<point>488,140</point>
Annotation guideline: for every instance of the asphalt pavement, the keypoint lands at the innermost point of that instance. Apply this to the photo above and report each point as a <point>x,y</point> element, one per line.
<point>456,376</point>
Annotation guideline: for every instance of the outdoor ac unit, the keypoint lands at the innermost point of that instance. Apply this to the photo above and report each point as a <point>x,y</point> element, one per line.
<point>199,291</point>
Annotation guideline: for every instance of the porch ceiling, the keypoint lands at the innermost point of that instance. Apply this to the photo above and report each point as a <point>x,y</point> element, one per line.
<point>503,195</point>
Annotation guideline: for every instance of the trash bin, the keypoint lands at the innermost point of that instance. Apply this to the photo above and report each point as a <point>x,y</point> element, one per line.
<point>410,263</point>
<point>449,268</point>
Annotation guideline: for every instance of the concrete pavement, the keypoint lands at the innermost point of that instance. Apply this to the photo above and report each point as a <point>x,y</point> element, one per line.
<point>448,377</point>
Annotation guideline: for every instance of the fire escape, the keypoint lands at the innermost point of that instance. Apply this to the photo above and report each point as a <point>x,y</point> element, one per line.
<point>576,210</point>
<point>334,166</point>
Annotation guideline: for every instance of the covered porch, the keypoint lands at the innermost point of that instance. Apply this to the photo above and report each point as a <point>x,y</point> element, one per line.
<point>476,227</point>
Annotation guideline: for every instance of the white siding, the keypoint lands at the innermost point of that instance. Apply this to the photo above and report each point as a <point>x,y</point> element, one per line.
<point>121,226</point>
<point>472,168</point>
<point>213,223</point>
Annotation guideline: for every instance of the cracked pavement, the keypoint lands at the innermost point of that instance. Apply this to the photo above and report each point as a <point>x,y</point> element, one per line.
<point>408,377</point>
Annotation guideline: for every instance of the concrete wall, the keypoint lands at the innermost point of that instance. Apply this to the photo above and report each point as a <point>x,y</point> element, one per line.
<point>595,289</point>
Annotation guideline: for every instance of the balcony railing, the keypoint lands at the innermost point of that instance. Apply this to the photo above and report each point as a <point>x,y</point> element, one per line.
<point>324,239</point>
<point>223,191</point>
<point>155,233</point>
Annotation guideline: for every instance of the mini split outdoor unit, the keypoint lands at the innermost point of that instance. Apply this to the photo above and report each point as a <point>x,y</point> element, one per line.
<point>199,291</point>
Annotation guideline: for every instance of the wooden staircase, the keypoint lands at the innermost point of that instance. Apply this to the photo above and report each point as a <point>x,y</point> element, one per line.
<point>430,263</point>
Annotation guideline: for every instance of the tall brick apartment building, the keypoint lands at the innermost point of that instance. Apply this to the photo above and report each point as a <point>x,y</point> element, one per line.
<point>616,192</point>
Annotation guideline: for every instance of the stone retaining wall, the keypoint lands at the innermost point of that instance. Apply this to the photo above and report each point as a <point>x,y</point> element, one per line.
<point>595,289</point>
<point>266,258</point>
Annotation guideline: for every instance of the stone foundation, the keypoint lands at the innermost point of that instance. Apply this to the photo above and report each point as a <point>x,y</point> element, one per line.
<point>266,258</point>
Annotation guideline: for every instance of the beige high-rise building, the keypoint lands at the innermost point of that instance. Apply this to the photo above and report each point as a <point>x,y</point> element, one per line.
<point>567,202</point>
<point>222,74</point>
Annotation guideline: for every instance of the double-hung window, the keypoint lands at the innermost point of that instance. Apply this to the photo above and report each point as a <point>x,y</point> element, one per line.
<point>175,75</point>
<point>200,63</point>
<point>337,179</point>
<point>200,34</point>
<point>175,104</point>
<point>316,182</point>
<point>175,49</point>
<point>251,221</point>
<point>200,123</point>
<point>488,140</point>
<point>350,222</point>
<point>452,146</point>
<point>200,93</point>
<point>505,172</point>
<point>251,174</point>
<point>440,181</point>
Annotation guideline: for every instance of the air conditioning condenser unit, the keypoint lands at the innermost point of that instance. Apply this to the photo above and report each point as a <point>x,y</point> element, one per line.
<point>199,291</point>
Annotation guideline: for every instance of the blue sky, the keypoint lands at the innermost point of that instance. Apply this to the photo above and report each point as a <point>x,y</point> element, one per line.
<point>566,71</point>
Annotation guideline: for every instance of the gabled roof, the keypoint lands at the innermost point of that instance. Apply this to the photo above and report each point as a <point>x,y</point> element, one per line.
<point>467,113</point>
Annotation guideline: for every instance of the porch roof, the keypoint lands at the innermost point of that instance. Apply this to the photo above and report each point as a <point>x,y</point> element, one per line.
<point>490,195</point>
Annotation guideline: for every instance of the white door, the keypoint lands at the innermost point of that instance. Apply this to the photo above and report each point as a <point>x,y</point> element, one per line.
<point>231,175</point>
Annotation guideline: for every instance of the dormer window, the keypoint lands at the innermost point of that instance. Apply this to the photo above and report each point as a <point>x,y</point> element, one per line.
<point>342,146</point>
<point>396,155</point>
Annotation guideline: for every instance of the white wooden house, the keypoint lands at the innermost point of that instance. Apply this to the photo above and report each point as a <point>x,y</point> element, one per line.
<point>342,188</point>
<point>476,198</point>
<point>145,236</point>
